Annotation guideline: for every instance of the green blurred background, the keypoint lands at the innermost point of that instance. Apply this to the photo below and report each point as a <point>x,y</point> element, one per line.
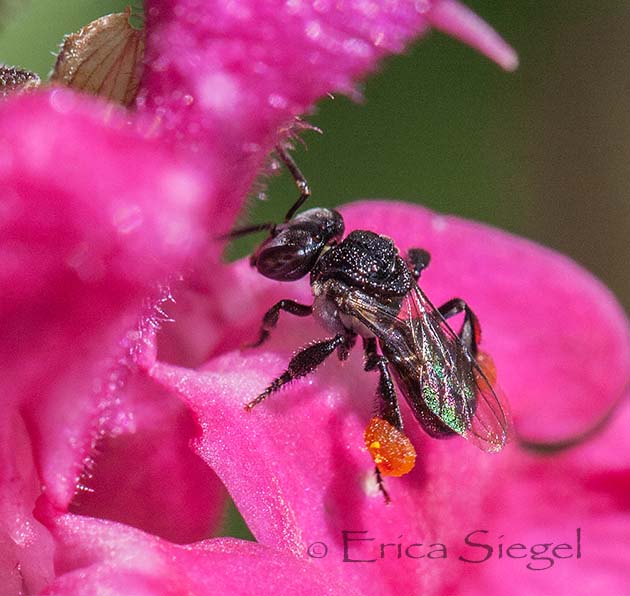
<point>543,152</point>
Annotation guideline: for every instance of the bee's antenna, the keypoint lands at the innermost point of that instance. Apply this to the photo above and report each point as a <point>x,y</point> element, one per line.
<point>238,232</point>
<point>300,181</point>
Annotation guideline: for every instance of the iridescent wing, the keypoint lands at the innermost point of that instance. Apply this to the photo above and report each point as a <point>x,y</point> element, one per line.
<point>445,387</point>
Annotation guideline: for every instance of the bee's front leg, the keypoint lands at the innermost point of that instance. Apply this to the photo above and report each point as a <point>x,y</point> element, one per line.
<point>299,179</point>
<point>270,320</point>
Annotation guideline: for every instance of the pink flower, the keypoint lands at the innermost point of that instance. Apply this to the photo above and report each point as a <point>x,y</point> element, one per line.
<point>102,211</point>
<point>298,473</point>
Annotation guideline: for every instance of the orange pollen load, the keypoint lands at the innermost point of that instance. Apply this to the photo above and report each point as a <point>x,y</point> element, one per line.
<point>390,449</point>
<point>487,366</point>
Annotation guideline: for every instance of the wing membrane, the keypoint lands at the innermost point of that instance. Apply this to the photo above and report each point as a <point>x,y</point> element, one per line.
<point>445,387</point>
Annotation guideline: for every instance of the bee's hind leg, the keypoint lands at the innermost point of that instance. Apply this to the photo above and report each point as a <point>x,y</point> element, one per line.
<point>388,407</point>
<point>470,333</point>
<point>381,485</point>
<point>418,260</point>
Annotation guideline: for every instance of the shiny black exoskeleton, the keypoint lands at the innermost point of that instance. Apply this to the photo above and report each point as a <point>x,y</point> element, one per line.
<point>363,287</point>
<point>368,261</point>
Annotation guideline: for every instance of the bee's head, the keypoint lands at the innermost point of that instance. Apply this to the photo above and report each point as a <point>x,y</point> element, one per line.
<point>293,247</point>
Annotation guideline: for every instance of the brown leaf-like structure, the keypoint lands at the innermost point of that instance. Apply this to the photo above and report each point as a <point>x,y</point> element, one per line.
<point>16,80</point>
<point>104,58</point>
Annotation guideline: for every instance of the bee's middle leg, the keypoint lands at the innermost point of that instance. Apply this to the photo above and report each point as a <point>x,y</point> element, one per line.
<point>303,363</point>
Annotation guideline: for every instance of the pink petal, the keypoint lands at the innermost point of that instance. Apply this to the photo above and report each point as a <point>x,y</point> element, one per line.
<point>247,68</point>
<point>252,66</point>
<point>218,311</point>
<point>295,465</point>
<point>297,469</point>
<point>144,473</point>
<point>93,217</point>
<point>222,78</point>
<point>457,20</point>
<point>541,499</point>
<point>602,568</point>
<point>26,548</point>
<point>560,340</point>
<point>95,556</point>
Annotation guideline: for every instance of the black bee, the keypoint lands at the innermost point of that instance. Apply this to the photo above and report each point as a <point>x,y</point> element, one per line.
<point>363,287</point>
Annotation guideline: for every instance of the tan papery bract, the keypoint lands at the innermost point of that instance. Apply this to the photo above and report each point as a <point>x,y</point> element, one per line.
<point>103,58</point>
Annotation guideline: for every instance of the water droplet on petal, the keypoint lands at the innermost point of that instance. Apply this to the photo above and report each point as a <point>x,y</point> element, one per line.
<point>313,29</point>
<point>21,531</point>
<point>62,100</point>
<point>251,147</point>
<point>321,5</point>
<point>219,91</point>
<point>277,101</point>
<point>439,223</point>
<point>294,6</point>
<point>127,218</point>
<point>422,6</point>
<point>357,47</point>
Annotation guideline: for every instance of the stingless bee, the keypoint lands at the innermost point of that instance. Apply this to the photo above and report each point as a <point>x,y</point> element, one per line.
<point>363,287</point>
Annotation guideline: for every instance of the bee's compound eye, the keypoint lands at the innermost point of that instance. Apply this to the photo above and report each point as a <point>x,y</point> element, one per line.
<point>294,247</point>
<point>288,256</point>
<point>390,448</point>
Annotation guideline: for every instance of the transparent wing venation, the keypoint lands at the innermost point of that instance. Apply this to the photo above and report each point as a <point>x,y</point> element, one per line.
<point>434,369</point>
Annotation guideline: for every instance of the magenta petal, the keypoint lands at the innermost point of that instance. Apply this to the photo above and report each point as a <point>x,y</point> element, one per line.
<point>93,217</point>
<point>209,320</point>
<point>226,79</point>
<point>457,20</point>
<point>541,499</point>
<point>253,66</point>
<point>26,548</point>
<point>603,566</point>
<point>296,465</point>
<point>226,75</point>
<point>560,340</point>
<point>145,474</point>
<point>95,557</point>
<point>297,469</point>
